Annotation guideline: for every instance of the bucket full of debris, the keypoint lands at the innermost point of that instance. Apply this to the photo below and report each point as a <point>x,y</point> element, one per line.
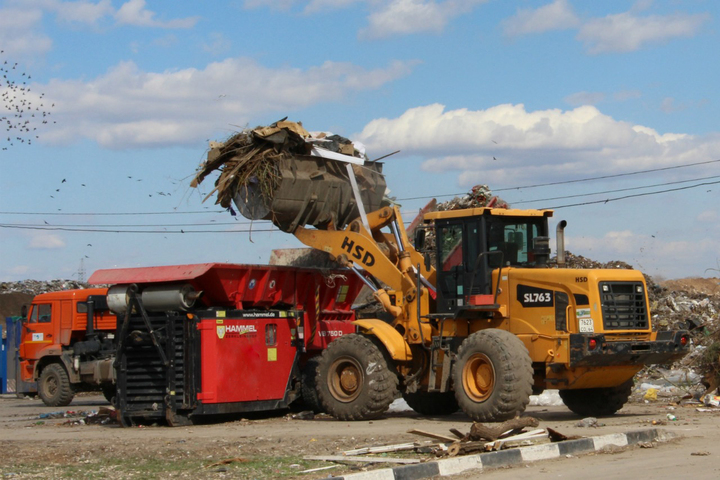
<point>287,175</point>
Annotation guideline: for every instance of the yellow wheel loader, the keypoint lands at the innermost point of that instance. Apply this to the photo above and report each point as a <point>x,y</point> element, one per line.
<point>487,323</point>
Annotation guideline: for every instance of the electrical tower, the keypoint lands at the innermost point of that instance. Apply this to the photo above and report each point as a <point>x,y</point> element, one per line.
<point>81,271</point>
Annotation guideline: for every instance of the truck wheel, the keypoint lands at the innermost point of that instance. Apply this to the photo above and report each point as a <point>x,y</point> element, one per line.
<point>597,402</point>
<point>432,403</point>
<point>54,386</point>
<point>354,380</point>
<point>308,386</point>
<point>108,390</point>
<point>492,376</point>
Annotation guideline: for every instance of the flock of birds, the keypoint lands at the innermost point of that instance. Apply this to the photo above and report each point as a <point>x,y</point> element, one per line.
<point>22,112</point>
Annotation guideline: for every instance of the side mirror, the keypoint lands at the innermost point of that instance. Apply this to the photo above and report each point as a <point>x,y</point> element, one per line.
<point>23,312</point>
<point>419,239</point>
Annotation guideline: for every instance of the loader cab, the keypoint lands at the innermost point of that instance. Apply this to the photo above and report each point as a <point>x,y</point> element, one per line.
<point>471,243</point>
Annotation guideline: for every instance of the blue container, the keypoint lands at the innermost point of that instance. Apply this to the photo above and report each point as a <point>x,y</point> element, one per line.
<point>11,382</point>
<point>3,361</point>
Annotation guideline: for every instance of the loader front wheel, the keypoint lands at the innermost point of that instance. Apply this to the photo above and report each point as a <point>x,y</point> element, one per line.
<point>597,402</point>
<point>492,376</point>
<point>432,403</point>
<point>354,379</point>
<point>54,386</point>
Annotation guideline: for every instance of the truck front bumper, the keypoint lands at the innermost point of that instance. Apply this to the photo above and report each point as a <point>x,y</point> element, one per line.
<point>668,347</point>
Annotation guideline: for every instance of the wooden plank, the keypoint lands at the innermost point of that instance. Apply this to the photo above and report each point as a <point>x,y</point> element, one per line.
<point>382,449</point>
<point>436,436</point>
<point>343,458</point>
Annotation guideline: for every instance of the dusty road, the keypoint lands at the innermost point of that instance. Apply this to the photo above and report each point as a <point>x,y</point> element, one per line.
<point>273,446</point>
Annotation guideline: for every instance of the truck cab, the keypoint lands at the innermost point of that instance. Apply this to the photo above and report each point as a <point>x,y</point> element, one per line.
<point>61,350</point>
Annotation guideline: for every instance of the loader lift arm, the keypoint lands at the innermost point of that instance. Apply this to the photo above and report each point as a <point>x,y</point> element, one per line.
<point>389,257</point>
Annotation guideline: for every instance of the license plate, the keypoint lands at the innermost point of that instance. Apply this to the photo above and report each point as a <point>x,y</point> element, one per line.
<point>586,325</point>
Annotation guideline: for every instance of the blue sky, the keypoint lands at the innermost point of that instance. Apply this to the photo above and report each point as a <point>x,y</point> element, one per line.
<point>508,94</point>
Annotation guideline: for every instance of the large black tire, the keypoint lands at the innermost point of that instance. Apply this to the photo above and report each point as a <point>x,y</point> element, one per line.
<point>492,376</point>
<point>108,390</point>
<point>308,386</point>
<point>597,402</point>
<point>432,403</point>
<point>353,379</point>
<point>54,386</point>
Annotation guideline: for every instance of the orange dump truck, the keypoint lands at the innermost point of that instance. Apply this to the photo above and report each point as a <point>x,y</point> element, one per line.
<point>61,352</point>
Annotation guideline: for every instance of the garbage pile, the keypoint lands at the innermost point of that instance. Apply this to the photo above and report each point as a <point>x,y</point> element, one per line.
<point>478,196</point>
<point>292,177</point>
<point>35,287</point>
<point>102,416</point>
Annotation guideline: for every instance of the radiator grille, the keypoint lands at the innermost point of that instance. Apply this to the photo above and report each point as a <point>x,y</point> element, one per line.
<point>623,306</point>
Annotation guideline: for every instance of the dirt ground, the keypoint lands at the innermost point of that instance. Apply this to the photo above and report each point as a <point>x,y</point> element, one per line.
<point>705,286</point>
<point>272,446</point>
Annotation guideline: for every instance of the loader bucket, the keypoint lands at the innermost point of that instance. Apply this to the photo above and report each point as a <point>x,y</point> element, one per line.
<point>313,191</point>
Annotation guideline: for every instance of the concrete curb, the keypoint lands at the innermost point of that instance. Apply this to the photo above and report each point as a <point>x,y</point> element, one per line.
<point>505,458</point>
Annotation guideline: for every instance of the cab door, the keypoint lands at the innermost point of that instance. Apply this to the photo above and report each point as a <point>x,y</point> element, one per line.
<point>38,330</point>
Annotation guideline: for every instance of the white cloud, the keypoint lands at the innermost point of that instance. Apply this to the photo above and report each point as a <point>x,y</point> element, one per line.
<point>133,12</point>
<point>709,216</point>
<point>217,44</point>
<point>274,4</point>
<point>557,15</point>
<point>403,17</point>
<point>623,95</point>
<point>127,107</point>
<point>625,32</point>
<point>18,35</point>
<point>387,17</point>
<point>324,5</point>
<point>530,145</point>
<point>584,98</point>
<point>83,12</point>
<point>46,241</point>
<point>19,270</point>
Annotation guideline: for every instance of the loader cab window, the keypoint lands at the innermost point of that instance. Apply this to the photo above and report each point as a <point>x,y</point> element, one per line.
<point>451,248</point>
<point>41,313</point>
<point>513,236</point>
<point>470,248</point>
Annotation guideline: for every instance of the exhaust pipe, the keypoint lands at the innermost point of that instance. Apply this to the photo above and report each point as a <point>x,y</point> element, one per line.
<point>560,238</point>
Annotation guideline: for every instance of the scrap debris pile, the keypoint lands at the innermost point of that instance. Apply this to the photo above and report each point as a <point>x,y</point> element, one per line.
<point>481,438</point>
<point>36,287</point>
<point>103,416</point>
<point>291,176</point>
<point>478,196</point>
<point>251,156</point>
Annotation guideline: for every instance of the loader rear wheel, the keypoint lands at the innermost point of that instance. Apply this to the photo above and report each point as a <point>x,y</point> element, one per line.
<point>354,380</point>
<point>432,403</point>
<point>492,376</point>
<point>54,386</point>
<point>597,402</point>
<point>308,386</point>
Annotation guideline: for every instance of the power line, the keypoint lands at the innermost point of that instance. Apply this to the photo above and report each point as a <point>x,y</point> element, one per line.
<point>111,214</point>
<point>609,176</point>
<point>94,230</point>
<point>613,191</point>
<point>603,177</point>
<point>212,224</point>
<point>631,196</point>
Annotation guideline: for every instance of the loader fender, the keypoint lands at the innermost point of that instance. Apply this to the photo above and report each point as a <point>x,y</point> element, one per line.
<point>395,344</point>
